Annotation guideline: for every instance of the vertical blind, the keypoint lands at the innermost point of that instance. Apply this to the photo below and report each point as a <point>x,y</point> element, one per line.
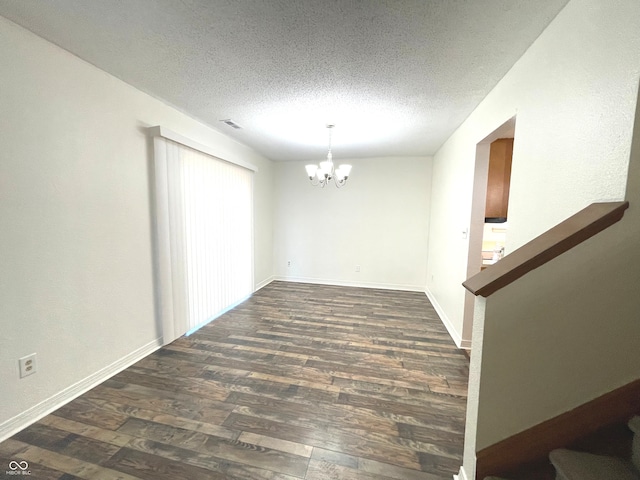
<point>204,230</point>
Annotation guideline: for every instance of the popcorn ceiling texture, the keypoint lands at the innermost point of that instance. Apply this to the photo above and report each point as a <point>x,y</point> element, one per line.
<point>397,77</point>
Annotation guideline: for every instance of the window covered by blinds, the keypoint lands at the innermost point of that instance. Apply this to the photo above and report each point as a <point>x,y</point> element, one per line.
<point>204,235</point>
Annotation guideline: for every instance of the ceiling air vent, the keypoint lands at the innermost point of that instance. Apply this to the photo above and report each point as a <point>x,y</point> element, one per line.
<point>231,123</point>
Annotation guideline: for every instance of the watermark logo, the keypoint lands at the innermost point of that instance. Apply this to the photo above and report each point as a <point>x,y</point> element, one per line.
<point>18,468</point>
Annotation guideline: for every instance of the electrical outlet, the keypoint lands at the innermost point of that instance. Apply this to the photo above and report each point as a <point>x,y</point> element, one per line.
<point>27,365</point>
<point>357,268</point>
<point>288,263</point>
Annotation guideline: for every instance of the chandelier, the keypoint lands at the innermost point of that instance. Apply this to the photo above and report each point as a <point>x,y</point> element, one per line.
<point>321,175</point>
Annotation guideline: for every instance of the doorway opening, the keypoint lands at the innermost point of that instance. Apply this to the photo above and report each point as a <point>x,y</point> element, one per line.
<point>489,206</point>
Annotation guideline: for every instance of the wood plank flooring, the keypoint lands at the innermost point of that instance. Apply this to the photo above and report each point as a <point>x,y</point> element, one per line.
<point>299,382</point>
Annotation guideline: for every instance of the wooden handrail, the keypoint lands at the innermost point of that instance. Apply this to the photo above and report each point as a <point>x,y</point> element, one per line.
<point>552,243</point>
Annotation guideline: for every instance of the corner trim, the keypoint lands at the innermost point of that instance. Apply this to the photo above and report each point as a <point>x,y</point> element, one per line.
<point>457,338</point>
<point>35,413</point>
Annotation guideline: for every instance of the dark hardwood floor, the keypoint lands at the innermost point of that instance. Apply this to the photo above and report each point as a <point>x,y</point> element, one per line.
<point>299,381</point>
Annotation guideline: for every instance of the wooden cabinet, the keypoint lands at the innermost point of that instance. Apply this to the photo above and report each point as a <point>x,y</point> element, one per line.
<point>499,180</point>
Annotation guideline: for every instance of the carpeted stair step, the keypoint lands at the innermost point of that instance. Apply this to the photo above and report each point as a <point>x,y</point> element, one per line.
<point>572,465</point>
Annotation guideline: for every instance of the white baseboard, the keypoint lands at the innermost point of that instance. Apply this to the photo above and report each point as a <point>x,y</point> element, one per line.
<point>462,475</point>
<point>340,283</point>
<point>457,338</point>
<point>264,283</point>
<point>35,413</point>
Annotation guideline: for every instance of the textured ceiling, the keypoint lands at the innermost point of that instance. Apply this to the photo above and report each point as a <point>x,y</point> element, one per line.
<point>397,77</point>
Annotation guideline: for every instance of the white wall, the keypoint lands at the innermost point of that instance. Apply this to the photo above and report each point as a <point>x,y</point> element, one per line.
<point>77,281</point>
<point>379,221</point>
<point>581,341</point>
<point>573,95</point>
<point>562,335</point>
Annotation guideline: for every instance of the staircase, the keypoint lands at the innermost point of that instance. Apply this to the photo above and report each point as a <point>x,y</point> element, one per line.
<point>573,465</point>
